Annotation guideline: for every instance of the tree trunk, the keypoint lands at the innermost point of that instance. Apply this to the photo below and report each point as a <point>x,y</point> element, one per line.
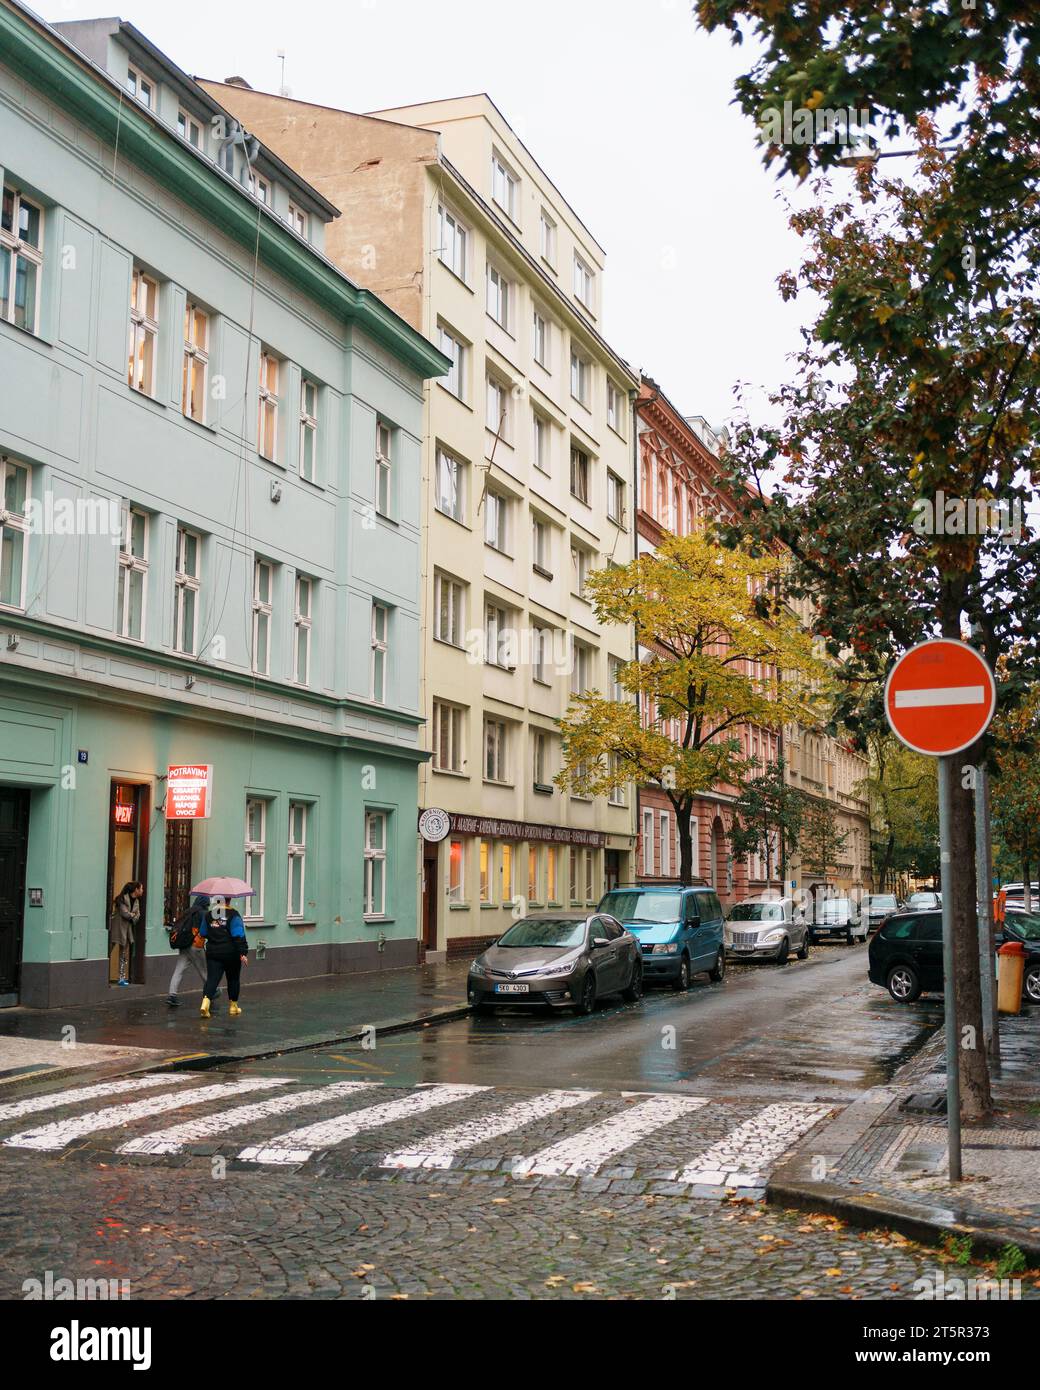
<point>682,817</point>
<point>959,881</point>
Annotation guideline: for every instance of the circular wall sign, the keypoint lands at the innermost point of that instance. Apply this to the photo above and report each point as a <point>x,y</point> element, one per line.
<point>940,697</point>
<point>434,824</point>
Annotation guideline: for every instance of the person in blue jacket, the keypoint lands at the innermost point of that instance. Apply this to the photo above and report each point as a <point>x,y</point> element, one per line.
<point>226,952</point>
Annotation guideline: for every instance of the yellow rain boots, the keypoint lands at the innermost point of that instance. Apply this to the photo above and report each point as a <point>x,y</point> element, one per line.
<point>204,1006</point>
<point>233,1008</point>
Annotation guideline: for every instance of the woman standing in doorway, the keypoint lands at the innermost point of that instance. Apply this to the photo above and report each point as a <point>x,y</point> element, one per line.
<point>126,913</point>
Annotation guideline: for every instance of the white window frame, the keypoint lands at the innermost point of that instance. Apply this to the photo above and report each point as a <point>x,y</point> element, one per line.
<point>384,467</point>
<point>298,220</point>
<point>648,841</point>
<point>18,249</point>
<point>541,545</point>
<point>582,474</point>
<point>616,795</point>
<point>448,466</point>
<point>260,188</point>
<point>17,523</point>
<point>144,330</point>
<point>297,851</point>
<point>541,339</point>
<point>380,646</point>
<point>497,639</point>
<point>495,752</point>
<point>584,282</point>
<point>666,844</point>
<point>548,238</point>
<point>496,521</point>
<point>541,443</point>
<point>453,242</point>
<point>269,402</point>
<point>500,297</point>
<point>581,378</point>
<point>308,428</point>
<point>373,854</point>
<point>256,849</point>
<point>447,586</point>
<point>505,187</point>
<point>131,564</point>
<point>263,610</point>
<point>541,639</point>
<point>457,885</point>
<point>614,399</point>
<point>196,354</point>
<point>449,737</point>
<point>136,84</point>
<point>455,348</point>
<point>303,623</point>
<point>581,667</point>
<point>615,498</point>
<point>581,568</point>
<point>185,582</point>
<point>186,120</point>
<point>498,392</point>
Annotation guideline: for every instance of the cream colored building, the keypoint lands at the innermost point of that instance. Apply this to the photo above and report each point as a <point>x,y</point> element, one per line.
<point>528,470</point>
<point>833,774</point>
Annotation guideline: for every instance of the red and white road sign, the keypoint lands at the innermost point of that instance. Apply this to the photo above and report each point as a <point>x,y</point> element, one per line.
<point>940,696</point>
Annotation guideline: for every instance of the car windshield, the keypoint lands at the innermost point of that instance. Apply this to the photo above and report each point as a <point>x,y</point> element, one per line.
<point>756,912</point>
<point>835,904</point>
<point>643,907</point>
<point>922,897</point>
<point>884,900</point>
<point>1024,924</point>
<point>544,932</point>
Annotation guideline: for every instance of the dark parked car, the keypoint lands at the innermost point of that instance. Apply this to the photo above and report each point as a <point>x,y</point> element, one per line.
<point>906,953</point>
<point>679,930</point>
<point>559,959</point>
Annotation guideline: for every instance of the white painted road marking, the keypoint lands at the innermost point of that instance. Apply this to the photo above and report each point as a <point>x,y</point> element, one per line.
<point>440,1149</point>
<point>940,695</point>
<point>581,1154</point>
<point>297,1145</point>
<point>172,1140</point>
<point>62,1132</point>
<point>53,1099</point>
<point>743,1157</point>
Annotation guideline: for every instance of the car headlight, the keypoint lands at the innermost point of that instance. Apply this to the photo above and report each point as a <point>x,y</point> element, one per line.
<point>667,948</point>
<point>777,934</point>
<point>564,968</point>
<point>477,969</point>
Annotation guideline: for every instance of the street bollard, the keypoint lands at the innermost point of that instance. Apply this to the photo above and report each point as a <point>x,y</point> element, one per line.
<point>1011,965</point>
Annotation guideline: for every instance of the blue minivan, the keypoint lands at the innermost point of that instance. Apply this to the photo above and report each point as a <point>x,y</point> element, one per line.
<point>678,928</point>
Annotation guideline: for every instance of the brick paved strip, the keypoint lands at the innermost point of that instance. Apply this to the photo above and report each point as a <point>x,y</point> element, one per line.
<point>62,1132</point>
<point>173,1140</point>
<point>440,1149</point>
<point>742,1158</point>
<point>582,1154</point>
<point>53,1100</point>
<point>297,1145</point>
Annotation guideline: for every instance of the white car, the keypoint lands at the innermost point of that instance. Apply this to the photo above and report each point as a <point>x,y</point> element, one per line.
<point>766,929</point>
<point>838,917</point>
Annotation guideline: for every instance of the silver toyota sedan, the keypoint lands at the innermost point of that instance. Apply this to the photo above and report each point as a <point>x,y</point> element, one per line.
<point>559,960</point>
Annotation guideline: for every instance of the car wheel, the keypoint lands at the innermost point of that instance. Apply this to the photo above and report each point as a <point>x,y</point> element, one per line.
<point>635,988</point>
<point>681,983</point>
<point>587,1002</point>
<point>718,970</point>
<point>784,952</point>
<point>849,938</point>
<point>903,984</point>
<point>803,949</point>
<point>1032,984</point>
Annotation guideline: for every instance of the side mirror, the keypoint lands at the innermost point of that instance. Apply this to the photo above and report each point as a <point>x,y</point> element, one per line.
<point>598,941</point>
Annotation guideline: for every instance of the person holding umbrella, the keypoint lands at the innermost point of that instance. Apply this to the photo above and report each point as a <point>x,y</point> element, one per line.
<point>224,933</point>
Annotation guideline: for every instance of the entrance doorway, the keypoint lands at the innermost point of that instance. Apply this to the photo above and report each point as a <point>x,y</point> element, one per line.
<point>14,844</point>
<point>429,898</point>
<point>611,869</point>
<point>177,875</point>
<point>129,808</point>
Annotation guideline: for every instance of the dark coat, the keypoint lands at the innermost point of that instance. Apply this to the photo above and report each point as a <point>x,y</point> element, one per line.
<point>224,940</point>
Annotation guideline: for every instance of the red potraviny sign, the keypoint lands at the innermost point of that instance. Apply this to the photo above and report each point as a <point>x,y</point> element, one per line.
<point>189,791</point>
<point>940,696</point>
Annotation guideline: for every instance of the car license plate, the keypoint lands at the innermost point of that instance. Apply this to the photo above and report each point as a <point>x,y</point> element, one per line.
<point>512,989</point>
<point>744,948</point>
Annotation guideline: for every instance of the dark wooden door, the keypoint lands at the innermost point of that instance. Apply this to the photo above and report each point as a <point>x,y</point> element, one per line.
<point>429,898</point>
<point>14,840</point>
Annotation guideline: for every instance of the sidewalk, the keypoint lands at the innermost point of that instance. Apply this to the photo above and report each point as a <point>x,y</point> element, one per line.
<point>879,1164</point>
<point>129,1032</point>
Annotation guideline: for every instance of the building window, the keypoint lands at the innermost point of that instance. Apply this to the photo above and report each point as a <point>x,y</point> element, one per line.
<point>297,857</point>
<point>499,298</point>
<point>487,853</point>
<point>256,850</point>
<point>308,429</point>
<point>614,416</point>
<point>21,260</point>
<point>505,187</point>
<point>496,521</point>
<point>617,691</point>
<point>695,845</point>
<point>448,609</point>
<point>189,129</point>
<point>666,845</point>
<point>196,362</point>
<point>454,242</point>
<point>140,88</point>
<point>263,581</point>
<point>541,545</point>
<point>267,424</point>
<point>615,499</point>
<point>540,649</point>
<point>380,648</point>
<point>260,189</point>
<point>302,622</point>
<point>383,468</point>
<point>548,238</point>
<point>453,347</point>
<point>297,220</point>
<point>584,278</point>
<point>186,584</point>
<point>589,874</point>
<point>447,737</point>
<point>581,668</point>
<point>581,564</point>
<point>580,475</point>
<point>495,739</point>
<point>498,409</point>
<point>542,333</point>
<point>541,769</point>
<point>14,533</point>
<point>456,871</point>
<point>616,795</point>
<point>375,863</point>
<point>532,874</point>
<point>133,572</point>
<point>573,876</point>
<point>581,376</point>
<point>541,443</point>
<point>144,332</point>
<point>552,860</point>
<point>498,638</point>
<point>505,883</point>
<point>449,485</point>
<point>648,842</point>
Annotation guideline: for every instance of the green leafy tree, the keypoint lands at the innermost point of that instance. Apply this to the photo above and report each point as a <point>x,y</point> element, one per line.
<point>822,842</point>
<point>768,816</point>
<point>904,812</point>
<point>1015,789</point>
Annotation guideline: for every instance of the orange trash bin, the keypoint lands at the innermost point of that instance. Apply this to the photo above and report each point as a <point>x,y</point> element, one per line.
<point>1011,966</point>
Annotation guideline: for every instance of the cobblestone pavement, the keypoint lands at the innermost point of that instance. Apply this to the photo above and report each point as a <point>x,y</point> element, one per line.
<point>271,1234</point>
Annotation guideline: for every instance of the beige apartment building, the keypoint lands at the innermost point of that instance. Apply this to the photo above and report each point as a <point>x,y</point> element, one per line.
<point>833,774</point>
<point>528,469</point>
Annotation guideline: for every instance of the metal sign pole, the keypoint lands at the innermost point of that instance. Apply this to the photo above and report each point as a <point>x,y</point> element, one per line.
<point>983,869</point>
<point>953,1067</point>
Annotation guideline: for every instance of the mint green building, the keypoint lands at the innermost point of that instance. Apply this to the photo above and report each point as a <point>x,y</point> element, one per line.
<point>209,536</point>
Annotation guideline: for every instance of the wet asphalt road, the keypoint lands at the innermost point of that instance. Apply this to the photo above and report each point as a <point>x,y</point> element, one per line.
<point>808,1030</point>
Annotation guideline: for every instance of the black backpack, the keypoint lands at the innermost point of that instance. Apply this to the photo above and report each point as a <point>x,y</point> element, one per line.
<point>181,935</point>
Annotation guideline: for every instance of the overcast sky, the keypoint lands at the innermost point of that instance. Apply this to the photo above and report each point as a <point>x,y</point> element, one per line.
<point>625,105</point>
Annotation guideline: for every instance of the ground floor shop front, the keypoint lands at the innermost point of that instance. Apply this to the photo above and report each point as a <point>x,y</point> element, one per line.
<point>322,828</point>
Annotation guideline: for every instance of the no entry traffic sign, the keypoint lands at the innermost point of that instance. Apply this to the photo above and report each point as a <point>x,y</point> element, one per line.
<point>940,697</point>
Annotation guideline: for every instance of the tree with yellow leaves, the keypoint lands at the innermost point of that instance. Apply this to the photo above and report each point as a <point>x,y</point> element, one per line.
<point>718,650</point>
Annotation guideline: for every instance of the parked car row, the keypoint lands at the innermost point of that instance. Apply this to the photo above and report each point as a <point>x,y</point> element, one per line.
<point>906,955</point>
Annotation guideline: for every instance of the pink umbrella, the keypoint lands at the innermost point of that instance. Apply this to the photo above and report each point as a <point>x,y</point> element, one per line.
<point>224,888</point>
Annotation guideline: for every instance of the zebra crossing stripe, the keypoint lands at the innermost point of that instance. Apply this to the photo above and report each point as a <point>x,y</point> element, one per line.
<point>582,1154</point>
<point>62,1132</point>
<point>743,1157</point>
<point>172,1140</point>
<point>297,1145</point>
<point>54,1099</point>
<point>440,1149</point>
